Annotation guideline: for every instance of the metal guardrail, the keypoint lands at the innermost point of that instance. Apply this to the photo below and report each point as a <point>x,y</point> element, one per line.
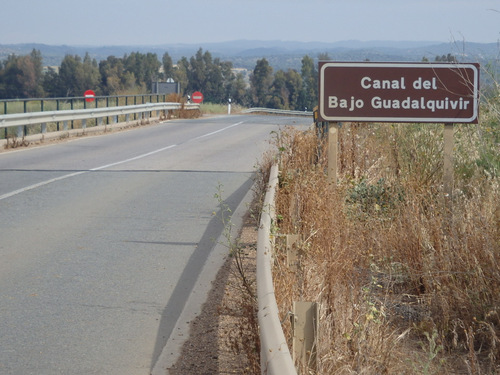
<point>278,112</point>
<point>275,357</point>
<point>9,106</point>
<point>32,118</point>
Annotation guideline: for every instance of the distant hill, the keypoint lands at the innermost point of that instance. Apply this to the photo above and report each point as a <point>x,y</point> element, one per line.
<point>280,54</point>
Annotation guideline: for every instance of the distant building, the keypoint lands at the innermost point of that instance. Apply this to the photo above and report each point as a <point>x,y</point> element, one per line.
<point>169,87</point>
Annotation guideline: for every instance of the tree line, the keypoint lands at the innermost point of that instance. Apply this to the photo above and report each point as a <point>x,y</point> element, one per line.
<point>25,77</point>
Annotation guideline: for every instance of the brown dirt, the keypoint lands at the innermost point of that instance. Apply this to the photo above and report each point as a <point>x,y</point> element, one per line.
<point>216,341</point>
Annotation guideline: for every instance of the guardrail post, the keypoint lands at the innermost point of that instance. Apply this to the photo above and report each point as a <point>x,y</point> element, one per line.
<point>72,107</point>
<point>107,105</point>
<point>20,131</point>
<point>135,103</point>
<point>65,125</point>
<point>44,128</point>
<point>25,131</point>
<point>5,112</point>
<point>291,250</point>
<point>305,328</point>
<point>57,108</point>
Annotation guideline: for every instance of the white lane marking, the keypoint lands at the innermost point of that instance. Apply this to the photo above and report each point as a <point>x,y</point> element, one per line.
<point>218,131</point>
<point>43,183</point>
<point>31,187</point>
<point>134,158</point>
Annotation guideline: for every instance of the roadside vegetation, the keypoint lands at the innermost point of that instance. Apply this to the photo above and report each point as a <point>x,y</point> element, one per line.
<point>219,109</point>
<point>25,77</point>
<point>406,283</point>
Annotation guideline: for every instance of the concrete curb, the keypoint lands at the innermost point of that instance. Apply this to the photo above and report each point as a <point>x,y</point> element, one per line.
<point>72,133</point>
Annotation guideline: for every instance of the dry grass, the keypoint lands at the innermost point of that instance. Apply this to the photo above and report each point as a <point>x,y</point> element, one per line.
<point>402,289</point>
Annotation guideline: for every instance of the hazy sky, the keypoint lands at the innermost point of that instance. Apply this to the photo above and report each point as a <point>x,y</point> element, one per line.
<point>154,22</point>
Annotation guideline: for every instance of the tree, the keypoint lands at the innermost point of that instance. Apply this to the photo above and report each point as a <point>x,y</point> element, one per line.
<point>151,68</point>
<point>71,76</point>
<point>309,73</point>
<point>260,82</point>
<point>218,77</point>
<point>144,67</point>
<point>197,71</point>
<point>9,86</point>
<point>51,84</point>
<point>37,61</point>
<point>181,74</point>
<point>210,76</point>
<point>112,72</point>
<point>446,58</point>
<point>27,78</point>
<point>278,92</point>
<point>239,92</point>
<point>91,75</point>
<point>294,87</point>
<point>228,79</point>
<point>21,76</point>
<point>285,91</point>
<point>324,56</point>
<point>168,66</point>
<point>77,76</point>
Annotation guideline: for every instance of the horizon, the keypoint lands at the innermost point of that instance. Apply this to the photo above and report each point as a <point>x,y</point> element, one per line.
<point>373,43</point>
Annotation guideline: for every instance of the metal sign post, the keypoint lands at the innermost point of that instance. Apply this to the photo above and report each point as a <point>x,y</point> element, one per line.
<point>448,160</point>
<point>448,175</point>
<point>333,138</point>
<point>399,92</point>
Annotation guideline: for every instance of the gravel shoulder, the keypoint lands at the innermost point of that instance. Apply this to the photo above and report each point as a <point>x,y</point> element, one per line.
<point>221,335</point>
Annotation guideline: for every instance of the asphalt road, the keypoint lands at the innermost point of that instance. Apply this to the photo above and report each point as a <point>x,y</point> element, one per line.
<point>107,242</point>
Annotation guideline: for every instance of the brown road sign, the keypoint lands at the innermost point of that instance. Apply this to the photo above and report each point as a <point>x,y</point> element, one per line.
<point>398,92</point>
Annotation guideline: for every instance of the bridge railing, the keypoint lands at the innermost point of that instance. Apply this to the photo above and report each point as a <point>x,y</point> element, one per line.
<point>24,120</point>
<point>10,106</point>
<point>278,112</point>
